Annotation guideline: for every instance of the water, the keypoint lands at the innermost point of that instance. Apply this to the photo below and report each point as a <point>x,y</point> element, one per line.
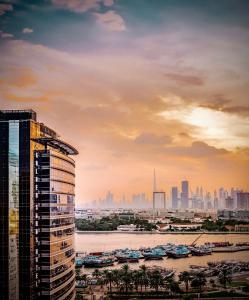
<point>90,242</point>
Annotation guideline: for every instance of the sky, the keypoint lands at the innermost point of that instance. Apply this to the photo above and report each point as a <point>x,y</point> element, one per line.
<point>134,85</point>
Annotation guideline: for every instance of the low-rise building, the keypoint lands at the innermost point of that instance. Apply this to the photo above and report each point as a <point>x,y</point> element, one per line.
<point>242,227</point>
<point>130,227</point>
<point>240,215</point>
<point>180,227</point>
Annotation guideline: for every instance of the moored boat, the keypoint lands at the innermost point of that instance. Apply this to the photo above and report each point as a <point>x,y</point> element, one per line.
<point>200,251</point>
<point>179,252</point>
<point>78,262</point>
<point>154,254</point>
<point>129,256</point>
<point>97,262</point>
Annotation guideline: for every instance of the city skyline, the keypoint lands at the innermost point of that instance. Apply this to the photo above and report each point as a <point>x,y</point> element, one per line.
<point>198,198</point>
<point>134,85</point>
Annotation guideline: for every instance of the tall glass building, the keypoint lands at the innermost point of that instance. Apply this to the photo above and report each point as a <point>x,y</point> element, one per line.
<point>185,195</point>
<point>37,210</point>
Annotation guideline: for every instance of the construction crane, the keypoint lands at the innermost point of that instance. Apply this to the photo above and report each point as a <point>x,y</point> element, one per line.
<point>194,242</point>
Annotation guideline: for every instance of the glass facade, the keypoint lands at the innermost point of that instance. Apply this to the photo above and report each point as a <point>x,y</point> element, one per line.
<point>13,163</point>
<point>54,190</point>
<point>36,209</point>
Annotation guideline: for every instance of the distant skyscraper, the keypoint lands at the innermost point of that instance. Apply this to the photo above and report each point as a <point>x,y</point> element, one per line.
<point>201,193</point>
<point>109,200</point>
<point>197,192</point>
<point>154,190</point>
<point>159,200</point>
<point>216,202</point>
<point>154,182</point>
<point>222,197</point>
<point>37,210</point>
<point>174,197</point>
<point>185,194</point>
<point>208,200</point>
<point>243,200</point>
<point>229,203</point>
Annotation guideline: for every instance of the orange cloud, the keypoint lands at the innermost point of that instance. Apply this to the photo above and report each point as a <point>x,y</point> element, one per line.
<point>126,118</point>
<point>185,79</point>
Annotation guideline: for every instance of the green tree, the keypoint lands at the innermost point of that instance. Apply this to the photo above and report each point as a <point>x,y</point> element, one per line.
<point>144,277</point>
<point>173,286</point>
<point>199,281</point>
<point>116,277</point>
<point>136,279</point>
<point>224,278</point>
<point>79,297</point>
<point>186,278</point>
<point>156,279</point>
<point>108,275</point>
<point>126,276</point>
<point>96,274</point>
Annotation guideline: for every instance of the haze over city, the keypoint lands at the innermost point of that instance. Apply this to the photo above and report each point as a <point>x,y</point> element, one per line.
<point>134,85</point>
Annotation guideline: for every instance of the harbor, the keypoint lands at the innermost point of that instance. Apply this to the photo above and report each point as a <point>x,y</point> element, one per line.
<point>178,255</point>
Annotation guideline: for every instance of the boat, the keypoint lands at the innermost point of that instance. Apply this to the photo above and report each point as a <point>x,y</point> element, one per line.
<point>179,252</point>
<point>97,262</point>
<point>200,251</point>
<point>128,256</point>
<point>154,254</point>
<point>78,262</point>
<point>218,244</point>
<point>242,244</point>
<point>167,247</point>
<point>96,253</point>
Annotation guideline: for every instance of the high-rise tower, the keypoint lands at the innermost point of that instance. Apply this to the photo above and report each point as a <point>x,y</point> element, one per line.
<point>185,194</point>
<point>37,210</point>
<point>154,182</point>
<point>154,190</point>
<point>174,197</point>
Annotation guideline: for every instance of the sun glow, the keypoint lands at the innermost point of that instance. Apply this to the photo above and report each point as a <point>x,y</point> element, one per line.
<point>219,128</point>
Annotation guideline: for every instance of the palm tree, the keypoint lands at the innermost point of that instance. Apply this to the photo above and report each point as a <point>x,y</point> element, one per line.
<point>173,286</point>
<point>108,278</point>
<point>198,281</point>
<point>96,273</point>
<point>156,279</point>
<point>224,278</point>
<point>136,278</point>
<point>144,276</point>
<point>126,276</point>
<point>186,278</point>
<point>116,277</point>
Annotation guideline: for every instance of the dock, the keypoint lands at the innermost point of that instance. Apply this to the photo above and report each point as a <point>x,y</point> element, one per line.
<point>230,249</point>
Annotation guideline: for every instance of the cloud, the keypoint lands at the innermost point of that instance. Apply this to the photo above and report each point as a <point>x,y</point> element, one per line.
<point>185,79</point>
<point>113,96</point>
<point>152,139</point>
<point>219,103</point>
<point>5,35</point>
<point>26,99</point>
<point>111,20</point>
<point>21,77</point>
<point>27,30</point>
<point>197,149</point>
<point>5,7</point>
<point>81,6</point>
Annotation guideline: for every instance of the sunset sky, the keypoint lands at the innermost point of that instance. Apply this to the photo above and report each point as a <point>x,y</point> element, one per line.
<point>135,85</point>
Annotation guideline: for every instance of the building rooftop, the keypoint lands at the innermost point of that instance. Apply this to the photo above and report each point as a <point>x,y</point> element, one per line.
<point>58,144</point>
<point>7,115</point>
